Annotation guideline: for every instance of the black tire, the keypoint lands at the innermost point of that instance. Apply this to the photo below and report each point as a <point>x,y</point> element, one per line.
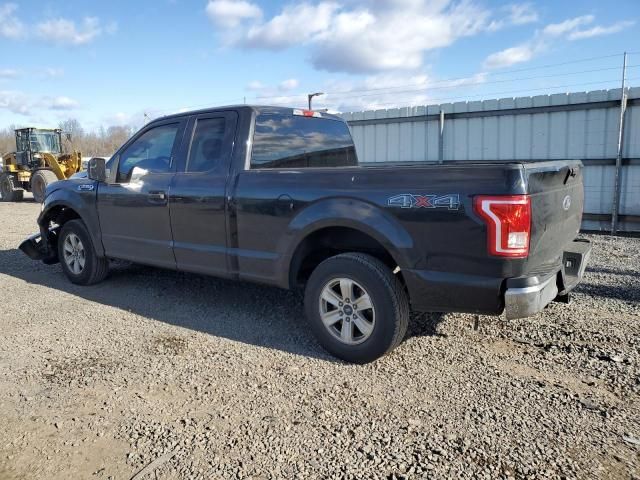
<point>40,179</point>
<point>387,295</point>
<point>8,190</point>
<point>94,268</point>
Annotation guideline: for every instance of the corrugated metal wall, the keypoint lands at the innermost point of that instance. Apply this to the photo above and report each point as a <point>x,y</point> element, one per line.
<point>525,128</point>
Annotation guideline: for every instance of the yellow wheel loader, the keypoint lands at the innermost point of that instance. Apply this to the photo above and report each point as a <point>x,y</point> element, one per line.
<point>37,162</point>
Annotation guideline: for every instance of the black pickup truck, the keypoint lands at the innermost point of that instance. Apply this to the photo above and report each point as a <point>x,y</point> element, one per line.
<point>276,195</point>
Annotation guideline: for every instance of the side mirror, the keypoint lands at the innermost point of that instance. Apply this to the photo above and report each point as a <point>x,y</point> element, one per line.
<point>97,169</point>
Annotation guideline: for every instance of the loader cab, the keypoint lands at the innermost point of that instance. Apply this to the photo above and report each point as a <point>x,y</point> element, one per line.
<point>31,141</point>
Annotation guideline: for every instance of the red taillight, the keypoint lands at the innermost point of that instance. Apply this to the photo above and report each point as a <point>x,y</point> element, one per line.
<point>508,219</point>
<point>306,113</point>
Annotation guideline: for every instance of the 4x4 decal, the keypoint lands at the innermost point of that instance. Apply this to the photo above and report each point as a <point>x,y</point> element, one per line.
<point>449,201</point>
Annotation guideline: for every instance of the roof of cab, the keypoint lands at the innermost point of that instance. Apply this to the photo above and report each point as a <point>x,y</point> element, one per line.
<point>264,109</point>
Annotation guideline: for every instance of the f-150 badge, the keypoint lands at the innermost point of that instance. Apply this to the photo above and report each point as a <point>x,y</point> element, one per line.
<point>408,200</point>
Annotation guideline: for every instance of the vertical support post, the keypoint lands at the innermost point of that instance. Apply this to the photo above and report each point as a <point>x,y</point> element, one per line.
<point>617,186</point>
<point>441,138</point>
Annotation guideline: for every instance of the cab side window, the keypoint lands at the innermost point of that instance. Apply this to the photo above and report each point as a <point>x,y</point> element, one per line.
<point>207,145</point>
<point>150,153</point>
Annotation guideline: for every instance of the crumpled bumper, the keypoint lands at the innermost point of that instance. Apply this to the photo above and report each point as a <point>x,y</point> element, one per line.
<point>36,248</point>
<point>525,297</point>
<point>33,247</point>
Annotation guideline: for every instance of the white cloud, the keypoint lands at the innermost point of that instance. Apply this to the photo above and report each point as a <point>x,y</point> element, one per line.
<point>61,31</point>
<point>600,30</point>
<point>8,73</point>
<point>61,103</point>
<point>510,56</point>
<point>363,36</point>
<point>10,25</point>
<point>288,84</point>
<point>396,38</point>
<point>255,85</point>
<point>373,92</point>
<point>120,118</point>
<point>230,13</point>
<point>297,23</point>
<point>65,32</point>
<point>15,102</point>
<point>23,104</point>
<point>52,72</point>
<point>557,29</point>
<point>521,14</point>
<point>516,14</point>
<point>570,29</point>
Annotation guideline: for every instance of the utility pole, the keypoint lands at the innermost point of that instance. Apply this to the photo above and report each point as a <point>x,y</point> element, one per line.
<point>617,187</point>
<point>311,95</point>
<point>441,138</point>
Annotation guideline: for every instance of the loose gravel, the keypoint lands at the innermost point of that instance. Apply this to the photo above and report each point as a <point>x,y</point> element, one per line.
<point>195,377</point>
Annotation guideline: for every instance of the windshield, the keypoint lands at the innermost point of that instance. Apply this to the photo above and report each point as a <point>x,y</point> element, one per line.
<point>45,142</point>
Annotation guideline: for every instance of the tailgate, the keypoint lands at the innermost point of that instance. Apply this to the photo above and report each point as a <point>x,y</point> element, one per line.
<point>557,200</point>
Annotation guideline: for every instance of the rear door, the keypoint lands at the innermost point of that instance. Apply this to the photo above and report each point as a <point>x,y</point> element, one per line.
<point>198,201</point>
<point>134,211</point>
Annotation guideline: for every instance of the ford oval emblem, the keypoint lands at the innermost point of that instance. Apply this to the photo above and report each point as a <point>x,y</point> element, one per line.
<point>566,203</point>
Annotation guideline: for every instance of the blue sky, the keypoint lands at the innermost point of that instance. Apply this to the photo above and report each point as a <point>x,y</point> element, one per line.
<point>108,63</point>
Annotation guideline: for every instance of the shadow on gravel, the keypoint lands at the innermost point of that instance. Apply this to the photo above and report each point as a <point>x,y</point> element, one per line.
<point>627,293</point>
<point>254,314</point>
<point>425,324</point>
<point>615,271</point>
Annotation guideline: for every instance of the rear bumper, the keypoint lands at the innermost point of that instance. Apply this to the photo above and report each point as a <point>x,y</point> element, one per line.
<point>527,296</point>
<point>526,301</point>
<point>516,297</point>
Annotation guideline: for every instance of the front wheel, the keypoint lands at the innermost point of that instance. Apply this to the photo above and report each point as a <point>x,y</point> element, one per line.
<point>77,256</point>
<point>357,309</point>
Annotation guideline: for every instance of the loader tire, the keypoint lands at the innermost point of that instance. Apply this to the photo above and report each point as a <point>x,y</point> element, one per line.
<point>40,180</point>
<point>8,190</point>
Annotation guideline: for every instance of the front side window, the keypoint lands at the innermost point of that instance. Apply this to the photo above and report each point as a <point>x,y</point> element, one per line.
<point>291,141</point>
<point>45,142</point>
<point>22,141</point>
<point>149,153</point>
<point>206,147</point>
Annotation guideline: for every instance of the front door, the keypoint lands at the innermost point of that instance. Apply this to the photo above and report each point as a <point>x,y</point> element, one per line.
<point>198,202</point>
<point>133,208</point>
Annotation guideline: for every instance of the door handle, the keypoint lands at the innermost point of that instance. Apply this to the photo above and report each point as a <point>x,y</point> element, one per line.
<point>286,202</point>
<point>157,197</point>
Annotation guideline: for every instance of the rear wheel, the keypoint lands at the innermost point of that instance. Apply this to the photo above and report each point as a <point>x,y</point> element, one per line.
<point>8,190</point>
<point>40,179</point>
<point>357,308</point>
<point>78,257</point>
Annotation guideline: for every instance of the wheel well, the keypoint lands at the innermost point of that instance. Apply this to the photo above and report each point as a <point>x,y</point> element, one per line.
<point>327,242</point>
<point>61,215</point>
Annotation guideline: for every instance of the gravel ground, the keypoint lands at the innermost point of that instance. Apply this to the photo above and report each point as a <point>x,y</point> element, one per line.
<point>215,379</point>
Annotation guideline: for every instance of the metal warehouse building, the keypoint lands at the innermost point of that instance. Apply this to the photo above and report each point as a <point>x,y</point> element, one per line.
<point>581,125</point>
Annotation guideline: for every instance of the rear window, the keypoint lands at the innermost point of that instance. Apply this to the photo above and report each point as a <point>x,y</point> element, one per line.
<point>289,141</point>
